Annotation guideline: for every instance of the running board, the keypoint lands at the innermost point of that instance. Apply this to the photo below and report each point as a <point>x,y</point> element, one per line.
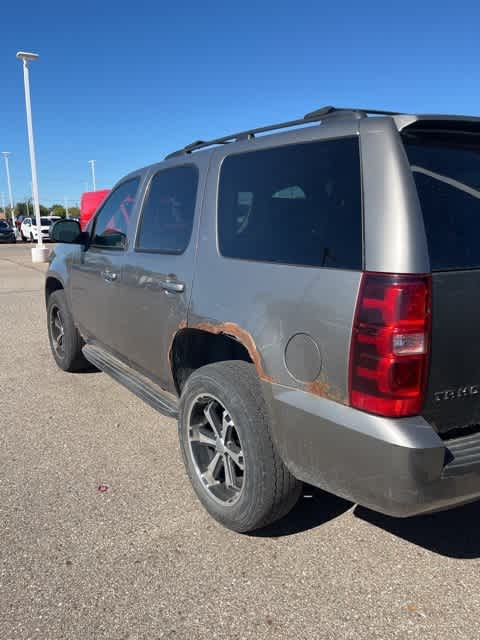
<point>140,385</point>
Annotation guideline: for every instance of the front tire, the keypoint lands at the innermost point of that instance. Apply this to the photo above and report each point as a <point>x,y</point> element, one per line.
<point>65,340</point>
<point>32,239</point>
<point>24,238</point>
<point>228,451</point>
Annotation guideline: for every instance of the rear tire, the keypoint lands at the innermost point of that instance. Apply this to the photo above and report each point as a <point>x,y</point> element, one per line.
<point>65,341</point>
<point>239,478</point>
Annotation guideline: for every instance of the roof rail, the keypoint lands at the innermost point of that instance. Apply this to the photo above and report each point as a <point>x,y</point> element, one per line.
<point>363,112</point>
<point>313,116</point>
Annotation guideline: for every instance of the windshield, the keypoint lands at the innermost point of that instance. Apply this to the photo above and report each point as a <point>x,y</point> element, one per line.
<point>4,225</point>
<point>446,168</point>
<point>45,222</point>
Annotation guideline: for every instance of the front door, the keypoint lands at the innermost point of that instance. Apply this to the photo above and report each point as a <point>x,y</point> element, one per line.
<point>158,272</point>
<point>96,277</point>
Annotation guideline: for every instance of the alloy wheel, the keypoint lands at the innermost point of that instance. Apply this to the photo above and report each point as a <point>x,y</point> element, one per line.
<point>57,331</point>
<point>216,450</point>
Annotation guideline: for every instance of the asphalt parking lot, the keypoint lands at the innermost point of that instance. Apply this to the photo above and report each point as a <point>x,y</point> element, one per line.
<point>141,559</point>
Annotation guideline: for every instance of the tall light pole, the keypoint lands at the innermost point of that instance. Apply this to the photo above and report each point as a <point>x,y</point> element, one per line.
<point>3,203</point>
<point>5,155</point>
<point>92,164</point>
<point>39,253</point>
<point>66,209</point>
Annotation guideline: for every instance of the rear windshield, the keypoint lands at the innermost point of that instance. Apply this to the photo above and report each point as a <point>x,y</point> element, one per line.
<point>446,168</point>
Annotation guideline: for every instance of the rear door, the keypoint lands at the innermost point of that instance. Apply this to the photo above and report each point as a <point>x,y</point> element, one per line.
<point>445,163</point>
<point>95,278</point>
<point>158,270</point>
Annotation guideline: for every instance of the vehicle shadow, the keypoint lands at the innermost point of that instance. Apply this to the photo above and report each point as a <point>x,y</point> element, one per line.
<point>89,368</point>
<point>452,533</point>
<point>314,508</point>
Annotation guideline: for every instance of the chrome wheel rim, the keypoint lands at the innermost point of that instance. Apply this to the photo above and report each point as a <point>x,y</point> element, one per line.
<point>216,450</point>
<point>57,332</point>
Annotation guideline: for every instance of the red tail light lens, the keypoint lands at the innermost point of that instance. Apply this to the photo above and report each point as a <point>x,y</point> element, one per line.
<point>390,344</point>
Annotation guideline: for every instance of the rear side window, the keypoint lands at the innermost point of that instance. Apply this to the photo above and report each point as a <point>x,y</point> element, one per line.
<point>298,204</point>
<point>111,222</point>
<point>446,169</point>
<point>167,216</point>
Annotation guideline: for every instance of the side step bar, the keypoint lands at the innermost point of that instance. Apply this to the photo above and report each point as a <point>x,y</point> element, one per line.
<point>140,385</point>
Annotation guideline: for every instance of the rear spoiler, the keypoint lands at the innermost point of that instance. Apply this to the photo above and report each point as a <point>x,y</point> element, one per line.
<point>431,123</point>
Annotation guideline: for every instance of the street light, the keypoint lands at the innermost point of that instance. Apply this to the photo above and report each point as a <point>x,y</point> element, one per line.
<point>92,164</point>
<point>39,253</point>
<point>5,154</point>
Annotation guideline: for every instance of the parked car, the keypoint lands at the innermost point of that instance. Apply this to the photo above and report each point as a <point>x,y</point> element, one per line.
<point>89,203</point>
<point>305,303</point>
<point>28,228</point>
<point>7,234</point>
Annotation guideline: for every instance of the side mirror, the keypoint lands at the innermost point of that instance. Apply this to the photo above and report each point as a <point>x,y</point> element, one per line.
<point>69,232</point>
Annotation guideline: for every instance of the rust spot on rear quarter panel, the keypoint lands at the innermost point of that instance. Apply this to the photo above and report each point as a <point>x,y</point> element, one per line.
<point>233,330</point>
<point>325,390</point>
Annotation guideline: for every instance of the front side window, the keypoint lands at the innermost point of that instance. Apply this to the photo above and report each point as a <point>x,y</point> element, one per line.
<point>111,223</point>
<point>167,217</point>
<point>303,207</point>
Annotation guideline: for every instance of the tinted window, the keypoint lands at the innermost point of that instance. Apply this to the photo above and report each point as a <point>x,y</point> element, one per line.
<point>167,217</point>
<point>303,207</point>
<point>111,223</point>
<point>447,175</point>
<point>3,225</point>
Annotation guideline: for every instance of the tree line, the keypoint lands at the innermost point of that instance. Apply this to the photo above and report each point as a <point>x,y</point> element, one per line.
<point>25,210</point>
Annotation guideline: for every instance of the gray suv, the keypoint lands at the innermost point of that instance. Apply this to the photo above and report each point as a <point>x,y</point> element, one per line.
<point>304,298</point>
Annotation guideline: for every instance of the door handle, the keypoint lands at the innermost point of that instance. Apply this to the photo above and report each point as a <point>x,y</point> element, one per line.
<point>171,285</point>
<point>109,276</point>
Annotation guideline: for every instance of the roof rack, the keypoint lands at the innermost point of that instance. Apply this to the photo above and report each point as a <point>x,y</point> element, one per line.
<point>313,116</point>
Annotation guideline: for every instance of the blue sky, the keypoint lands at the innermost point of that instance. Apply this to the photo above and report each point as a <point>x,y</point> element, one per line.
<point>125,83</point>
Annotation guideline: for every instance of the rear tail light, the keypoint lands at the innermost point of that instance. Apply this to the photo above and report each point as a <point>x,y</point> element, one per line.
<point>390,344</point>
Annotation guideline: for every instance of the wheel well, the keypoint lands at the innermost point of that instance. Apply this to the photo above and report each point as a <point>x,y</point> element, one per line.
<point>194,348</point>
<point>51,285</point>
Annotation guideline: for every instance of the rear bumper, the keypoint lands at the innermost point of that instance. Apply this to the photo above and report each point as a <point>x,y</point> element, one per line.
<point>399,467</point>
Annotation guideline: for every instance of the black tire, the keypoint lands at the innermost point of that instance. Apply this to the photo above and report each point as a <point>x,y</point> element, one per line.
<point>268,490</point>
<point>31,237</point>
<point>70,357</point>
<point>24,238</point>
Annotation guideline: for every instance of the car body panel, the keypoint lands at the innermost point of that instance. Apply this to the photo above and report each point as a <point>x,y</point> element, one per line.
<point>147,315</point>
<point>395,240</point>
<point>271,303</point>
<point>95,284</point>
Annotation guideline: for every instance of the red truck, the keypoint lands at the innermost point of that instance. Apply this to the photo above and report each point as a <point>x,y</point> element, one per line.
<point>89,203</point>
